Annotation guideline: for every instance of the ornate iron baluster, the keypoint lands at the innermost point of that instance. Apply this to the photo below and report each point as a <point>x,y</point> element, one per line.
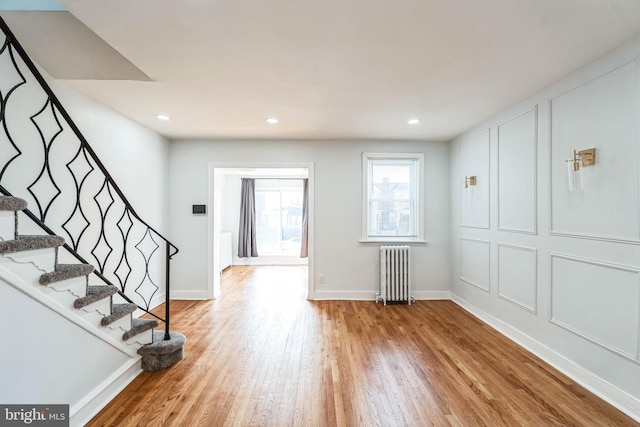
<point>101,222</point>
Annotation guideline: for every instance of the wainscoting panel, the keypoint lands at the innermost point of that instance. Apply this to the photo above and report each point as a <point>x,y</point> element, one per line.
<point>474,199</point>
<point>602,114</point>
<point>598,301</point>
<point>517,153</point>
<point>474,263</point>
<point>517,275</point>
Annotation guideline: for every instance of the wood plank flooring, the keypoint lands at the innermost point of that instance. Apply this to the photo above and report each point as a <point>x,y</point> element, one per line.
<point>261,355</point>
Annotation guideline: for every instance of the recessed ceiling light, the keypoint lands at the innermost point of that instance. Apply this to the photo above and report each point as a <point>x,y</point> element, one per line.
<point>272,120</point>
<point>162,117</point>
<point>413,121</point>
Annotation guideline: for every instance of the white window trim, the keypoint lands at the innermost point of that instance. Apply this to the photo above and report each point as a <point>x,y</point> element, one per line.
<point>419,238</point>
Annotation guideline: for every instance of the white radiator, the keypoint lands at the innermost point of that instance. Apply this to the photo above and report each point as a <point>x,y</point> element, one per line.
<point>395,285</point>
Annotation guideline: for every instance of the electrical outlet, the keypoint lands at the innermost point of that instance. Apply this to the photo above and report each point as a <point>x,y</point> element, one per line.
<point>321,278</point>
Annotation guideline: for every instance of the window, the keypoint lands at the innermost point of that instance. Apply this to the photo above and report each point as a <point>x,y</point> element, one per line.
<point>279,216</point>
<point>392,197</point>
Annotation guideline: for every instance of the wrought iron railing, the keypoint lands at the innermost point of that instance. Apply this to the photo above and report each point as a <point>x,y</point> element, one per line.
<point>45,159</point>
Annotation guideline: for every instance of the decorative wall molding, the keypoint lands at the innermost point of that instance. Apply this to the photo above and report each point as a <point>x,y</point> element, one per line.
<point>594,77</point>
<point>523,160</point>
<point>477,262</point>
<point>475,210</point>
<point>609,163</point>
<point>597,238</point>
<point>633,301</point>
<point>606,372</point>
<point>534,252</point>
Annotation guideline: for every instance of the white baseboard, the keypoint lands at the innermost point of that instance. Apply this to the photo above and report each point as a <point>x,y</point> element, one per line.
<point>431,295</point>
<point>596,385</point>
<point>371,295</point>
<point>157,300</point>
<point>344,295</point>
<point>189,295</point>
<point>82,411</point>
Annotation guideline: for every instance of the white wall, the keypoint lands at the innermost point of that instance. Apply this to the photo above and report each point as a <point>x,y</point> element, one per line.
<point>558,270</point>
<point>136,157</point>
<point>350,267</point>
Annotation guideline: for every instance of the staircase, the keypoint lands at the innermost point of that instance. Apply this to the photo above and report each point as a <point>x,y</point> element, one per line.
<point>69,286</point>
<point>45,159</point>
<point>78,265</point>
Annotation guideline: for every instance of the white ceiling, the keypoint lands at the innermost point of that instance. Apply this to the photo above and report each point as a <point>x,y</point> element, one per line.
<point>340,69</point>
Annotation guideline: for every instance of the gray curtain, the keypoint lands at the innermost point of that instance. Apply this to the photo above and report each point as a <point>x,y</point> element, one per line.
<point>247,246</point>
<point>304,243</point>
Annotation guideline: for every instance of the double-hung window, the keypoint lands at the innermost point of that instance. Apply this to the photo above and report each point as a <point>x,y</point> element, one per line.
<point>392,193</point>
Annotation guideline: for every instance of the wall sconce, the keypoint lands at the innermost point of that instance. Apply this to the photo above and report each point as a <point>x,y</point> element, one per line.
<point>585,157</point>
<point>470,180</point>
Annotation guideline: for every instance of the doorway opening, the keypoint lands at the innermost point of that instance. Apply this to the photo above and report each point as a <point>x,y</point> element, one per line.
<point>278,197</point>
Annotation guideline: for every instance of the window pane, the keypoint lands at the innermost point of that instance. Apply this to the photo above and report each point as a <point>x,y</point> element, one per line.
<point>267,221</point>
<point>392,198</point>
<point>291,213</point>
<point>279,221</point>
<point>391,218</point>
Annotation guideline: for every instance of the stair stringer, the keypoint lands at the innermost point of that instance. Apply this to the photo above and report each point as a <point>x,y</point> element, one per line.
<point>65,292</point>
<point>85,399</point>
<point>69,313</point>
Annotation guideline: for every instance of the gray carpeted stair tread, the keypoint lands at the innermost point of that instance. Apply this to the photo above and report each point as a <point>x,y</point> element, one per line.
<point>95,293</point>
<point>66,271</point>
<point>100,288</point>
<point>13,204</point>
<point>29,243</point>
<point>118,311</point>
<point>138,326</point>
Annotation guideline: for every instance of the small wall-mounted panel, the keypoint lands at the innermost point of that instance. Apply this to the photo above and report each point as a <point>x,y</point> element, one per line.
<point>474,263</point>
<point>517,153</point>
<point>199,209</point>
<point>602,114</point>
<point>517,275</point>
<point>597,301</point>
<point>474,199</point>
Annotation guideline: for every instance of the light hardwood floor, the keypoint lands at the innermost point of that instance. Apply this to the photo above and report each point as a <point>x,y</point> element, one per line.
<point>262,355</point>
